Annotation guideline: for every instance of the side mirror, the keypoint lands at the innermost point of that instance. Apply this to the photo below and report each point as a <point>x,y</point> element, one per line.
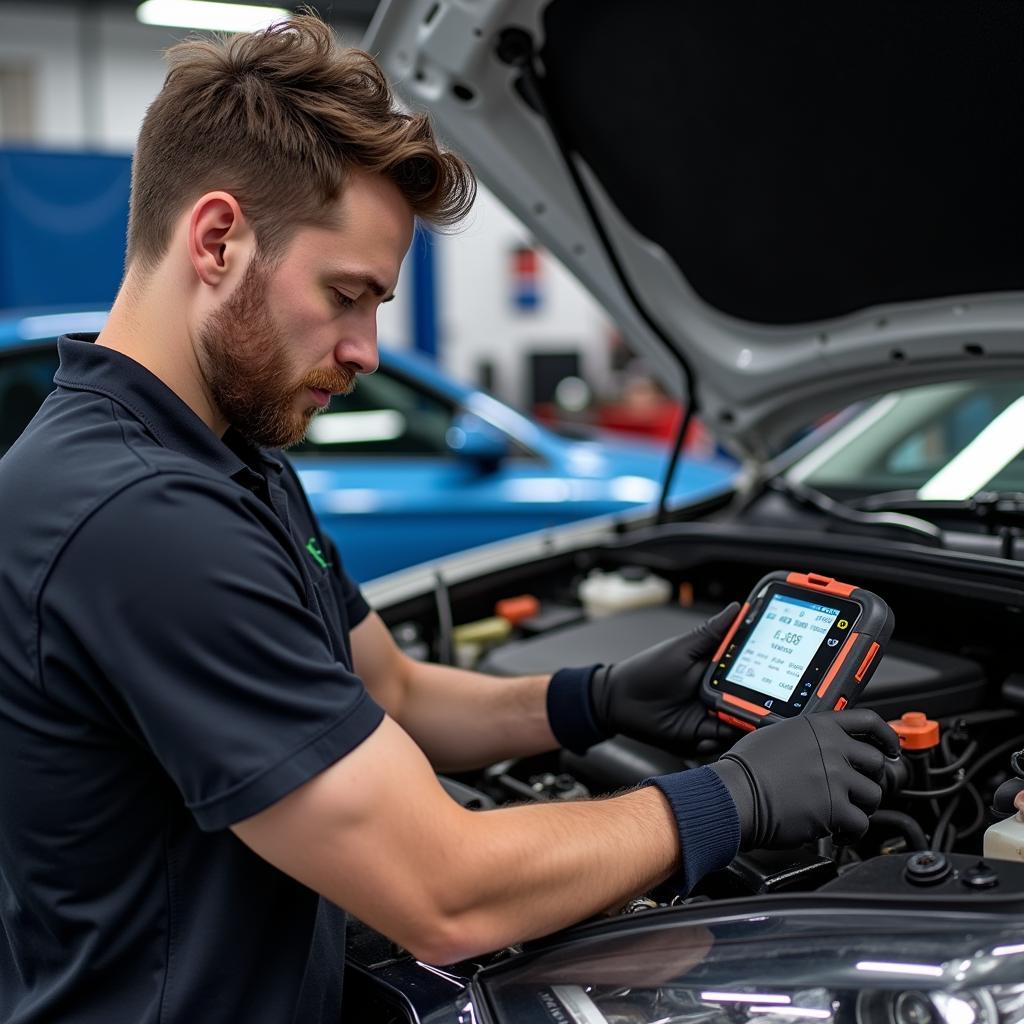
<point>475,440</point>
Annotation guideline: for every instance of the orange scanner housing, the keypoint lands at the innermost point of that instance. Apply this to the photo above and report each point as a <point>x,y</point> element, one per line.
<point>727,639</point>
<point>826,584</point>
<point>737,723</point>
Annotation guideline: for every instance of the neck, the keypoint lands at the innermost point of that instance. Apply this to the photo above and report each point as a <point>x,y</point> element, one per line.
<point>147,325</point>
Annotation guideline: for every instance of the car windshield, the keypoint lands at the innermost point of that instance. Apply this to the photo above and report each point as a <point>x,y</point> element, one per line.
<point>936,442</point>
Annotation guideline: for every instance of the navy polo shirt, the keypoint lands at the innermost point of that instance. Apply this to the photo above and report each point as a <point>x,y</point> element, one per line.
<point>173,659</point>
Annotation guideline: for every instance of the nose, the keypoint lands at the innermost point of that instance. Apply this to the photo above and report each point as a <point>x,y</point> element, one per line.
<point>357,349</point>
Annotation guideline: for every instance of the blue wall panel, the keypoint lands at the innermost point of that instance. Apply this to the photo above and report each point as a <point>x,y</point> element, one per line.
<point>424,293</point>
<point>63,218</point>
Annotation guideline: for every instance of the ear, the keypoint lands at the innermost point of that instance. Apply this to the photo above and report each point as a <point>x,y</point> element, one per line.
<point>219,238</point>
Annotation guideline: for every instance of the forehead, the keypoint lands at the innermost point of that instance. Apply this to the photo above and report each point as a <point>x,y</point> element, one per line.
<point>369,231</point>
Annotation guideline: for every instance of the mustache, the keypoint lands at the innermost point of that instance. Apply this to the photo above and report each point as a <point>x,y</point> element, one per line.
<point>341,381</point>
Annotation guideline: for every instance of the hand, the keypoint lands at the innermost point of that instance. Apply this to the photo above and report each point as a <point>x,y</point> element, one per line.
<point>652,696</point>
<point>808,777</point>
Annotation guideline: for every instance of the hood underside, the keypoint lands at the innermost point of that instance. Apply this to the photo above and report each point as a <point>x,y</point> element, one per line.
<point>811,203</point>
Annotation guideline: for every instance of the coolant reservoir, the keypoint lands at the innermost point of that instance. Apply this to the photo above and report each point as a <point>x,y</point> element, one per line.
<point>605,593</point>
<point>1005,839</point>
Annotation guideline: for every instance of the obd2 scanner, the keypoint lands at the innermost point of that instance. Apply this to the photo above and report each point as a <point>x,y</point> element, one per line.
<point>801,642</point>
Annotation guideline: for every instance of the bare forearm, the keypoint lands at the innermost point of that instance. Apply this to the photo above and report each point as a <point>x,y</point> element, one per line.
<point>465,720</point>
<point>394,849</point>
<point>467,882</point>
<point>460,719</point>
<point>531,870</point>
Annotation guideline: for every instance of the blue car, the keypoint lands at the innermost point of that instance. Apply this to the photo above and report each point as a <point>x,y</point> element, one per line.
<point>411,465</point>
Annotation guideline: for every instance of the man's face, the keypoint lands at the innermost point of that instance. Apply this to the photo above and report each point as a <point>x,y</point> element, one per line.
<point>292,334</point>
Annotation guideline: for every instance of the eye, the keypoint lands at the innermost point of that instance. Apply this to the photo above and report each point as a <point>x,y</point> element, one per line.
<point>342,299</point>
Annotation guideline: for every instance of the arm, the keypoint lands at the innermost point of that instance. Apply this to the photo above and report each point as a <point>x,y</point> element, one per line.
<point>460,719</point>
<point>465,719</point>
<point>376,834</point>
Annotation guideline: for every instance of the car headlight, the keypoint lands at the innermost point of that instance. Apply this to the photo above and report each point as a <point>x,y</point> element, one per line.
<point>848,966</point>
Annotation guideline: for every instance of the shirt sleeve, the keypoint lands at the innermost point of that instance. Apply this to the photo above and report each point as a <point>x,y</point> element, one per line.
<point>198,629</point>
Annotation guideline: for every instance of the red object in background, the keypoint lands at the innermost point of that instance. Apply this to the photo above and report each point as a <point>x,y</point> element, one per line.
<point>658,422</point>
<point>524,261</point>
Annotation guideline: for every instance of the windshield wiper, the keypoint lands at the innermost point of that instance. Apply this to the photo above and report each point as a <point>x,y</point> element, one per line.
<point>1000,513</point>
<point>996,508</point>
<point>869,521</point>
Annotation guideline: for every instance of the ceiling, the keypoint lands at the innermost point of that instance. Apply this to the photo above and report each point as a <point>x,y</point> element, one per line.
<point>344,12</point>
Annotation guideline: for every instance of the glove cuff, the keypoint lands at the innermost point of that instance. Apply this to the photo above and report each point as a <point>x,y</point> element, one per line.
<point>569,712</point>
<point>707,821</point>
<point>735,776</point>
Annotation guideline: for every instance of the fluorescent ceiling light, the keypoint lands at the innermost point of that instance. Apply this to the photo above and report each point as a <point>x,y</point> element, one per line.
<point>205,14</point>
<point>990,452</point>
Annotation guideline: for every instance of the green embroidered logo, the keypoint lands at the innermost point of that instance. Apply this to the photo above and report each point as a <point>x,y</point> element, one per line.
<point>316,554</point>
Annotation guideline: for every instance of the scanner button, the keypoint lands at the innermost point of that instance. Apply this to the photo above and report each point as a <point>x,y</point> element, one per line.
<point>865,664</point>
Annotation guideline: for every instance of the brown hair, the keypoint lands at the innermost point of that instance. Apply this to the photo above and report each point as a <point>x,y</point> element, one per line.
<point>278,118</point>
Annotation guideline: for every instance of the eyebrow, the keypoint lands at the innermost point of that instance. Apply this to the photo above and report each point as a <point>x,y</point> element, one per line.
<point>368,281</point>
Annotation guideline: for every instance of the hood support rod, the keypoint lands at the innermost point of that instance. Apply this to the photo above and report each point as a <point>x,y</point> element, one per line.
<point>516,48</point>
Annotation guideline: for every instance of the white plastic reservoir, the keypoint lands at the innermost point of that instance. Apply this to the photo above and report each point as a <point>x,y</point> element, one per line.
<point>605,593</point>
<point>1005,839</point>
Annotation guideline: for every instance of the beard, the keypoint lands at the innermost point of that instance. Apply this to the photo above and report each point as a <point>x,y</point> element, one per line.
<point>244,360</point>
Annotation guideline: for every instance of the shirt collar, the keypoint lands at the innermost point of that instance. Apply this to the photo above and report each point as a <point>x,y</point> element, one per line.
<point>85,366</point>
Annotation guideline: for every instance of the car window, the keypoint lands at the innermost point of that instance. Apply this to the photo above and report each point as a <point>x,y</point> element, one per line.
<point>26,378</point>
<point>384,415</point>
<point>941,440</point>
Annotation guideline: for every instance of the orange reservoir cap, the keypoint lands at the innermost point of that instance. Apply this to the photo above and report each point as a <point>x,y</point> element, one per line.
<point>515,609</point>
<point>916,731</point>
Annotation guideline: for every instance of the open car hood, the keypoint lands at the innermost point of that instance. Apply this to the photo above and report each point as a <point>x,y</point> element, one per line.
<point>808,203</point>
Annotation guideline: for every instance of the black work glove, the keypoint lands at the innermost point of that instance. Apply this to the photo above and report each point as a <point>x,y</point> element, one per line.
<point>808,777</point>
<point>652,696</point>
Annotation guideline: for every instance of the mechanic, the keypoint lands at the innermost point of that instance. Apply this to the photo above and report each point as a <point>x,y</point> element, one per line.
<point>209,744</point>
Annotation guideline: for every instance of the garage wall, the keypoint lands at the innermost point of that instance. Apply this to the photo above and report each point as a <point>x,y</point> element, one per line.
<point>42,43</point>
<point>480,321</point>
<point>87,73</point>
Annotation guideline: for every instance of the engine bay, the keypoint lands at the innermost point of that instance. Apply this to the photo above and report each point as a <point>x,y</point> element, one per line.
<point>953,663</point>
<point>953,659</point>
